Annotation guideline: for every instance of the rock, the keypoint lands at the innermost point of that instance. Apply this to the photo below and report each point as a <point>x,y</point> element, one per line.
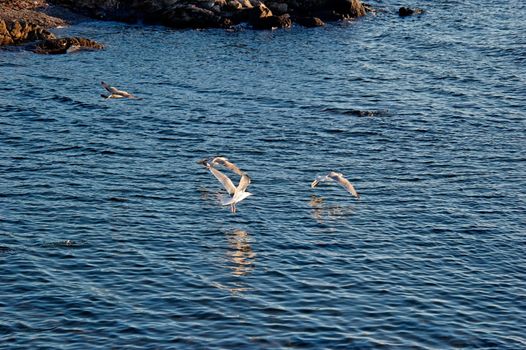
<point>191,16</point>
<point>348,8</point>
<point>19,32</point>
<point>278,8</point>
<point>31,11</point>
<point>64,45</point>
<point>260,11</point>
<point>328,9</point>
<point>406,11</point>
<point>309,22</point>
<point>271,22</point>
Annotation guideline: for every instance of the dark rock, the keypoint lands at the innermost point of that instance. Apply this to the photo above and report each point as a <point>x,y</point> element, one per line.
<point>348,8</point>
<point>406,11</point>
<point>64,45</point>
<point>309,22</point>
<point>329,10</point>
<point>259,11</point>
<point>190,16</point>
<point>278,8</point>
<point>272,22</point>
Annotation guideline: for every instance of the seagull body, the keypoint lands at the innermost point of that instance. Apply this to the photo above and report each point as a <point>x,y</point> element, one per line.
<point>338,177</point>
<point>115,93</point>
<point>237,193</point>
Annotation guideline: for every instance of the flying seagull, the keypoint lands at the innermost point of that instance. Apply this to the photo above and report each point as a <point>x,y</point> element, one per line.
<point>338,177</point>
<point>238,193</point>
<point>115,93</point>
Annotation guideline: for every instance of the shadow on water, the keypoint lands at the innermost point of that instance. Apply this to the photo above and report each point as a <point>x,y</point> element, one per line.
<point>357,112</point>
<point>68,243</point>
<point>323,212</point>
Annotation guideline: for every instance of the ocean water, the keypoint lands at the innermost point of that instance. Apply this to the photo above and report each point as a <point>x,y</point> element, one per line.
<point>112,236</point>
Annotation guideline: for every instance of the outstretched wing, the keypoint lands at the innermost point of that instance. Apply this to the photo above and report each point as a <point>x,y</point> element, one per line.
<point>338,177</point>
<point>225,180</point>
<point>318,180</point>
<point>243,183</point>
<point>227,164</point>
<point>110,89</point>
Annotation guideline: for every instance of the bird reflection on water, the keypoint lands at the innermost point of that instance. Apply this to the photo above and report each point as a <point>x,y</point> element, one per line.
<point>322,211</point>
<point>240,253</point>
<point>240,261</point>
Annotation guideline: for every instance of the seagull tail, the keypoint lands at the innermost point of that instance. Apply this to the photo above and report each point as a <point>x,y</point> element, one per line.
<point>236,198</point>
<point>227,201</point>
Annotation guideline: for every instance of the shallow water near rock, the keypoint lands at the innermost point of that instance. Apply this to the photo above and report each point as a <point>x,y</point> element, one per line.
<point>425,116</point>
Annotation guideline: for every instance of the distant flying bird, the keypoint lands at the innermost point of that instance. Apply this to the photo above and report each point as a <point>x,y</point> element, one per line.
<point>338,177</point>
<point>238,193</point>
<point>115,93</point>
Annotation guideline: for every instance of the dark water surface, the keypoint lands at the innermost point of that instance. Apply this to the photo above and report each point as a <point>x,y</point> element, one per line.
<point>111,235</point>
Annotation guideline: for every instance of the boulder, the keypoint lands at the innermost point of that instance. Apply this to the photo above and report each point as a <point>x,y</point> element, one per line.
<point>271,22</point>
<point>407,11</point>
<point>191,16</point>
<point>328,9</point>
<point>64,45</point>
<point>278,8</point>
<point>309,22</point>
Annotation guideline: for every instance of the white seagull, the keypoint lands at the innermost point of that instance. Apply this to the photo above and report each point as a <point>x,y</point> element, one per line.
<point>338,177</point>
<point>238,193</point>
<point>115,93</point>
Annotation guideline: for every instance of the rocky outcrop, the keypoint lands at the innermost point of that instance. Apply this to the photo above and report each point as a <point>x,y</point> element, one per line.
<point>64,45</point>
<point>24,23</point>
<point>219,13</point>
<point>36,12</point>
<point>13,32</point>
<point>309,22</point>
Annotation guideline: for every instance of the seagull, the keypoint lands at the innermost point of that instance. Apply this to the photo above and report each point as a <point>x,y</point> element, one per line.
<point>338,177</point>
<point>115,93</point>
<point>238,193</point>
<point>224,162</point>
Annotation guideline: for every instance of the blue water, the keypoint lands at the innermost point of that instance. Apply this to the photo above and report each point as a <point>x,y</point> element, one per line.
<point>112,237</point>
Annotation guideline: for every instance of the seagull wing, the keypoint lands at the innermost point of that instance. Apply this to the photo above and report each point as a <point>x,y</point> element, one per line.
<point>227,164</point>
<point>318,180</point>
<point>110,89</point>
<point>243,183</point>
<point>338,177</point>
<point>225,180</point>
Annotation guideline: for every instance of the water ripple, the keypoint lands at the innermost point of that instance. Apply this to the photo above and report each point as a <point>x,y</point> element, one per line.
<point>111,235</point>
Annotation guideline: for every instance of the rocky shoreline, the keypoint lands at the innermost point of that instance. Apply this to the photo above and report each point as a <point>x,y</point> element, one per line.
<point>26,22</point>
